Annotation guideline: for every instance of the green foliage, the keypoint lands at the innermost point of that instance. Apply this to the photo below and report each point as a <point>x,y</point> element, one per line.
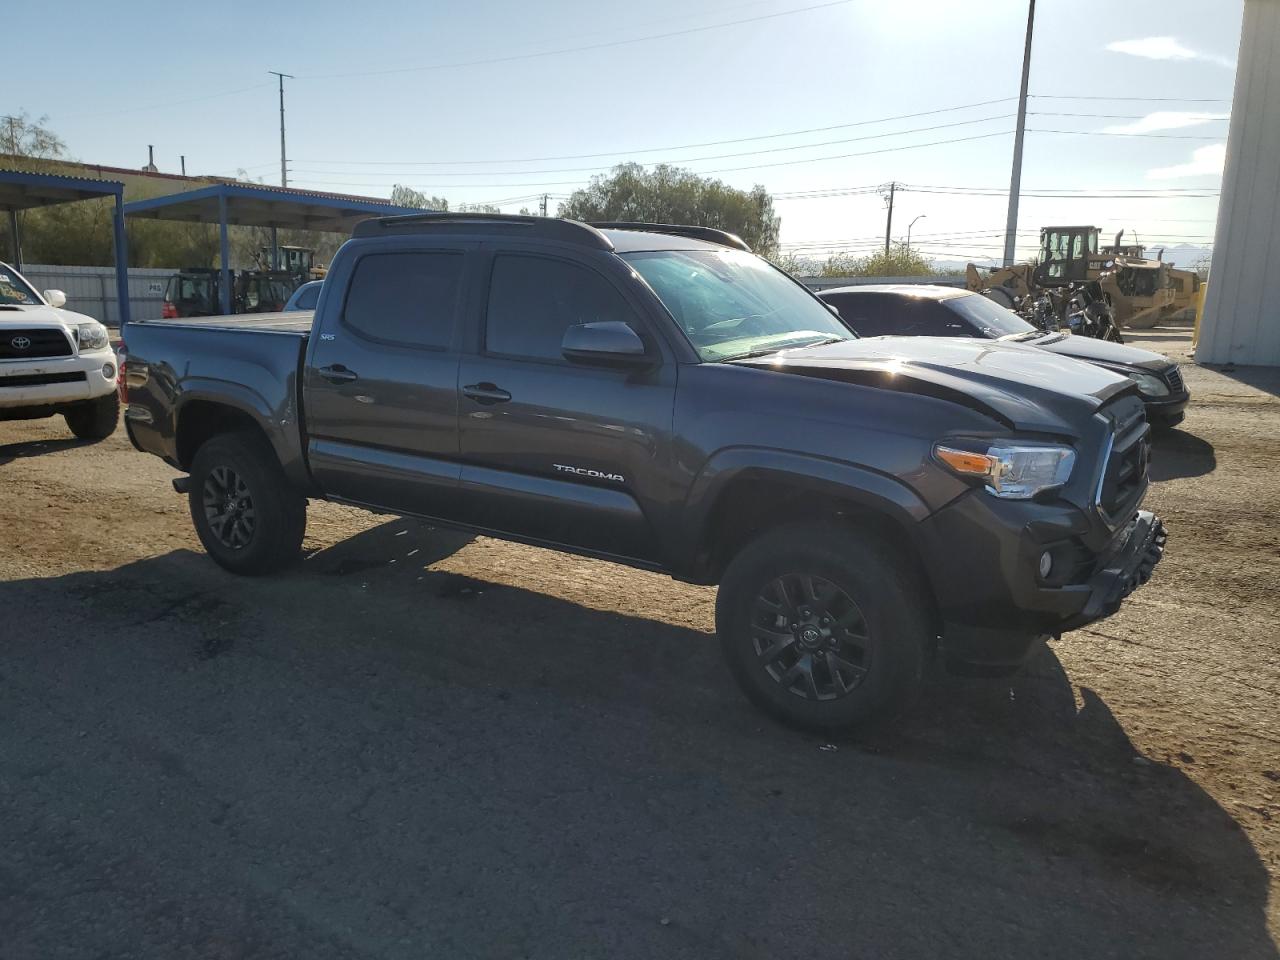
<point>668,194</point>
<point>21,136</point>
<point>478,208</point>
<point>402,196</point>
<point>900,261</point>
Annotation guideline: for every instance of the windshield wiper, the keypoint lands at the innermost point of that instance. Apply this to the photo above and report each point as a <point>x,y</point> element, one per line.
<point>765,351</point>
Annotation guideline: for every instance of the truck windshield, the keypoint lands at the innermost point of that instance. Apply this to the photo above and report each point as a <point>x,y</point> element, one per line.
<point>730,303</point>
<point>991,319</point>
<point>14,290</point>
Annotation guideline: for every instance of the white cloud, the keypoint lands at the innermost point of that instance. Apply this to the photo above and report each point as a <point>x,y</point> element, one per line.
<point>1165,120</point>
<point>1164,48</point>
<point>1205,162</point>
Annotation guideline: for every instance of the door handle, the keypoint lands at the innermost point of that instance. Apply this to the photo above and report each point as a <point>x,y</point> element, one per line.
<point>337,373</point>
<point>486,393</point>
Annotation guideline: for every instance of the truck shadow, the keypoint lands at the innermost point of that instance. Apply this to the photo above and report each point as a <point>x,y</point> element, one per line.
<point>401,754</point>
<point>1177,454</point>
<point>35,448</point>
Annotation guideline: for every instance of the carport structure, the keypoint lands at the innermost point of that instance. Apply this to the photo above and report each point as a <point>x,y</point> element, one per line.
<point>245,205</point>
<point>20,190</point>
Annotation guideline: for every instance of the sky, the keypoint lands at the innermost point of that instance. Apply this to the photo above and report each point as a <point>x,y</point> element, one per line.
<point>820,101</point>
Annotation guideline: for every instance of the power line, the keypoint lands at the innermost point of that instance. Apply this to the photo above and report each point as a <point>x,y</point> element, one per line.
<point>718,156</point>
<point>1050,96</point>
<point>579,49</point>
<point>1109,133</point>
<point>686,146</point>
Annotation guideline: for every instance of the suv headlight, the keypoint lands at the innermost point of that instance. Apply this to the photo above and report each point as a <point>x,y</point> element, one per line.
<point>91,336</point>
<point>1148,384</point>
<point>1012,471</point>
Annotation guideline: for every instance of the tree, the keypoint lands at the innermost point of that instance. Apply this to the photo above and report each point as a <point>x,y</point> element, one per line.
<point>402,196</point>
<point>25,137</point>
<point>668,194</point>
<point>900,261</point>
<point>478,208</point>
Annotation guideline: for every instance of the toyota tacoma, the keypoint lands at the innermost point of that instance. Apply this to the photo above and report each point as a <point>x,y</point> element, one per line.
<point>659,396</point>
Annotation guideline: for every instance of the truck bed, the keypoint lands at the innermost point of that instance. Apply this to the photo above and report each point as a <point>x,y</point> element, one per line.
<point>296,321</point>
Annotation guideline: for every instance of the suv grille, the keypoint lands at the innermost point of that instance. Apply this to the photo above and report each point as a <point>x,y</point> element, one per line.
<point>1125,476</point>
<point>1173,377</point>
<point>33,344</point>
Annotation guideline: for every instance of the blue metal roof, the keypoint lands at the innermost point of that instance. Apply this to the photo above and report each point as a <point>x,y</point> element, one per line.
<point>22,190</point>
<point>260,206</point>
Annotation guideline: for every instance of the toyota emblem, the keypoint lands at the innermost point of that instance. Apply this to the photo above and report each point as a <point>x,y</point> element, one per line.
<point>20,343</point>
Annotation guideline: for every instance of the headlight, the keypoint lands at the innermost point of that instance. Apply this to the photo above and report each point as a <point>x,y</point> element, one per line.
<point>1148,385</point>
<point>1012,471</point>
<point>91,336</point>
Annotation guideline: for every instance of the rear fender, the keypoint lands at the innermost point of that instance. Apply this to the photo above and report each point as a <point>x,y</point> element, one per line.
<point>279,423</point>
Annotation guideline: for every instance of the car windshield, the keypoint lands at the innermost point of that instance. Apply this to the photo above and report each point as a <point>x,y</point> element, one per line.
<point>991,319</point>
<point>731,304</point>
<point>14,290</point>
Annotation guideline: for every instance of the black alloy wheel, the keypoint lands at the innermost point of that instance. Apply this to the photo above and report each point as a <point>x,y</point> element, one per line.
<point>811,637</point>
<point>228,508</point>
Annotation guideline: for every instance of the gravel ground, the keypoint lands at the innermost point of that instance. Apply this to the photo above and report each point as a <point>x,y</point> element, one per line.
<point>418,744</point>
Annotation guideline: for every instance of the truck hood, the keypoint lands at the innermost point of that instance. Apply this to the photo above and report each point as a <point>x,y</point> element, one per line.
<point>1024,387</point>
<point>1102,351</point>
<point>39,315</point>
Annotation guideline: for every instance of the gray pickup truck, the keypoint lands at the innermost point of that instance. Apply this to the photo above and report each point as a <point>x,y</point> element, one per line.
<point>659,396</point>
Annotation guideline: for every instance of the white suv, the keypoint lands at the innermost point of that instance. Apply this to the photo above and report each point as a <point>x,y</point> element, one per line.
<point>53,361</point>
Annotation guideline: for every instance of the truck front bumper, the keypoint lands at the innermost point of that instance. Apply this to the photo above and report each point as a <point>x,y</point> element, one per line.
<point>993,598</point>
<point>55,382</point>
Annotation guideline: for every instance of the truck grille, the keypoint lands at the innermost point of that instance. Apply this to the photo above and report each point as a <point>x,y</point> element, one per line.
<point>33,344</point>
<point>1173,378</point>
<point>1125,475</point>
<point>42,379</point>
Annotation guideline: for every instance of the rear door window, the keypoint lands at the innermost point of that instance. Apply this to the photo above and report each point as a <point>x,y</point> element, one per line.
<point>408,299</point>
<point>864,312</point>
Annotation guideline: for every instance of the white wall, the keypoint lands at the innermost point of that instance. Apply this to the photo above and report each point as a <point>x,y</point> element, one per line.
<point>92,290</point>
<point>1241,322</point>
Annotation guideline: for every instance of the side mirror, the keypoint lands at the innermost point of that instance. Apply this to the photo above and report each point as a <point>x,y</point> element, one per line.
<point>832,307</point>
<point>606,342</point>
<point>56,298</point>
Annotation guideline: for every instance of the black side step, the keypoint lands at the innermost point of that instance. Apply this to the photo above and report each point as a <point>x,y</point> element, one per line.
<point>181,484</point>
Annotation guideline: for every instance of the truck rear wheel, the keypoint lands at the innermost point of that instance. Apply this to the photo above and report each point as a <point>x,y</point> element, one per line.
<point>823,629</point>
<point>248,517</point>
<point>94,419</point>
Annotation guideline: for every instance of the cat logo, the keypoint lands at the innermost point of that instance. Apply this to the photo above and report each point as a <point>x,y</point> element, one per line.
<point>593,474</point>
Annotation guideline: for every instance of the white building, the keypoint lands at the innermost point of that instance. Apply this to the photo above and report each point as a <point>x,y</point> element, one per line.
<point>1241,321</point>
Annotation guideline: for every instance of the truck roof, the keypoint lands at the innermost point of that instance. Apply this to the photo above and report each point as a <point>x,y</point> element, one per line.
<point>614,236</point>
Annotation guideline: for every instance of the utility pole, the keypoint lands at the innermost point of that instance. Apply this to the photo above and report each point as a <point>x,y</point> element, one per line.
<point>1015,181</point>
<point>182,159</point>
<point>545,197</point>
<point>888,224</point>
<point>284,171</point>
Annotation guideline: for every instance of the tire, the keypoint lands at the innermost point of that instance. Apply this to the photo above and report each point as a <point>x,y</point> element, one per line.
<point>239,472</point>
<point>94,419</point>
<point>856,583</point>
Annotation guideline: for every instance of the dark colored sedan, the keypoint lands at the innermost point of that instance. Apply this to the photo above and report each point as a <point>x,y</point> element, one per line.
<point>924,310</point>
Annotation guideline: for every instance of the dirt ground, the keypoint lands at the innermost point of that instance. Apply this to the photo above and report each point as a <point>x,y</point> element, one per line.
<point>418,744</point>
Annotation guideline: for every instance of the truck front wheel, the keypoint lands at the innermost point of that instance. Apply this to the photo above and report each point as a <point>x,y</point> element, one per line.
<point>821,628</point>
<point>94,419</point>
<point>249,518</point>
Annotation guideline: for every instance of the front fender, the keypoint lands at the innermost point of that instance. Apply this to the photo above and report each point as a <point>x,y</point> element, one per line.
<point>878,492</point>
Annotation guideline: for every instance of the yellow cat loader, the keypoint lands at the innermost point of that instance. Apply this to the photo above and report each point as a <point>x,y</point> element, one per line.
<point>1185,283</point>
<point>1139,290</point>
